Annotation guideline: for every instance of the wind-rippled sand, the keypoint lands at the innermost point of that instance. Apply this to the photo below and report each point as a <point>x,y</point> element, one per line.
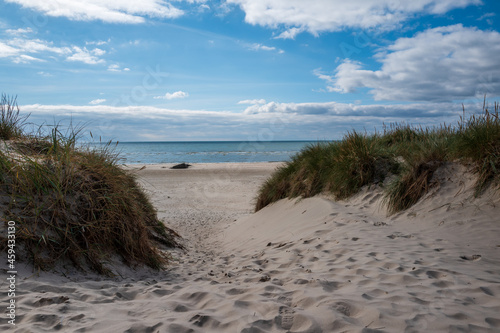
<point>308,265</point>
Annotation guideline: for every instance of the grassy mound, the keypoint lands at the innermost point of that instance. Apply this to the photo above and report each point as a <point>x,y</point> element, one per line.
<point>410,154</point>
<point>75,205</point>
<point>340,168</point>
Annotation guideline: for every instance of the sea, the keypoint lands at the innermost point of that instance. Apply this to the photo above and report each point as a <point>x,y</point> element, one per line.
<point>208,151</point>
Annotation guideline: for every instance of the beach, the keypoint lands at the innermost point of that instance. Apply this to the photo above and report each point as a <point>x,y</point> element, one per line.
<point>298,265</point>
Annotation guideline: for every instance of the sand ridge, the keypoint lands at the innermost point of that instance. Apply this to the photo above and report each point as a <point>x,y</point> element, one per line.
<point>303,265</point>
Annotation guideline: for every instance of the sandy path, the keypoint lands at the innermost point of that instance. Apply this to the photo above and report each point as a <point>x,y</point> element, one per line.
<point>201,201</point>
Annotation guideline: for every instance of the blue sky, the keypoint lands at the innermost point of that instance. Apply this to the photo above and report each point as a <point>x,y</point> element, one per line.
<point>248,69</point>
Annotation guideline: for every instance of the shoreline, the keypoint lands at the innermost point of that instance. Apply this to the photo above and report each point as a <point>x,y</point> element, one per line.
<point>197,164</point>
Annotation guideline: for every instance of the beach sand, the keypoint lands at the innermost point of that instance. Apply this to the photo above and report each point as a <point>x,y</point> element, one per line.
<point>303,265</point>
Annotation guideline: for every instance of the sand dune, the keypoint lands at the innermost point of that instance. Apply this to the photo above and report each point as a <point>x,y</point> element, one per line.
<point>303,265</point>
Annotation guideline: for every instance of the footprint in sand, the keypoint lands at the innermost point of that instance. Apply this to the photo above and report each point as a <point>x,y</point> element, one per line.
<point>344,308</point>
<point>473,257</point>
<point>285,317</point>
<point>49,301</point>
<point>435,275</point>
<point>399,235</point>
<point>379,224</point>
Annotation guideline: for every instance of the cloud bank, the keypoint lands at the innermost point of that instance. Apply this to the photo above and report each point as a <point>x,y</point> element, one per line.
<point>270,121</point>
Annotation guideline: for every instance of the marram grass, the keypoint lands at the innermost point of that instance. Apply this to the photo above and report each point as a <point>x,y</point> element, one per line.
<point>409,155</point>
<point>11,123</point>
<point>76,207</point>
<point>478,142</point>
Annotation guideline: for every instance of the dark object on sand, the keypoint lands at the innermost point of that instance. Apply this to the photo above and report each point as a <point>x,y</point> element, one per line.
<point>181,166</point>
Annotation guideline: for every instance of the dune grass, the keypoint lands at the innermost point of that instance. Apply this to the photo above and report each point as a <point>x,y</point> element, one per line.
<point>408,155</point>
<point>11,123</point>
<point>418,156</point>
<point>478,142</point>
<point>76,206</point>
<point>340,168</point>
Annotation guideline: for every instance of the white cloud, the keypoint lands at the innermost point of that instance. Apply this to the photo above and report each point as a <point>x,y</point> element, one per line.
<point>290,33</point>
<point>36,46</point>
<point>192,1</point>
<point>486,15</point>
<point>116,68</point>
<point>7,50</point>
<point>177,94</point>
<point>98,43</point>
<point>18,32</point>
<point>204,8</point>
<point>25,59</point>
<point>90,57</point>
<point>261,47</point>
<point>440,64</point>
<point>149,112</point>
<point>97,101</point>
<point>21,50</point>
<point>98,52</point>
<point>123,11</point>
<point>202,4</point>
<point>328,78</point>
<point>258,47</point>
<point>332,15</point>
<point>356,110</point>
<point>253,101</point>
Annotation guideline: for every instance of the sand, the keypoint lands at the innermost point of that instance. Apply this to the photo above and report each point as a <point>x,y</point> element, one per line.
<point>303,265</point>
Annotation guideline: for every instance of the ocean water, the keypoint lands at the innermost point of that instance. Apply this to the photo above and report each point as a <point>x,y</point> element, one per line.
<point>208,152</point>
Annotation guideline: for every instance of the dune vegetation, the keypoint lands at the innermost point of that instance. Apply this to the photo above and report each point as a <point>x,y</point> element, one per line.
<point>73,206</point>
<point>406,155</point>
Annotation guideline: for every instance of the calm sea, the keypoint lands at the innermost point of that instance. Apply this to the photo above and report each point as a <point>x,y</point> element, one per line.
<point>208,152</point>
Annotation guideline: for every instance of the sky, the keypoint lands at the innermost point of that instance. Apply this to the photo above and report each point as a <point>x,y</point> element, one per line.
<point>250,70</point>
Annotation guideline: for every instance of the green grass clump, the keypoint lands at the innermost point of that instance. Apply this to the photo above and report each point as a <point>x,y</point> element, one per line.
<point>420,155</point>
<point>77,206</point>
<point>357,161</point>
<point>410,155</point>
<point>340,168</point>
<point>303,176</point>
